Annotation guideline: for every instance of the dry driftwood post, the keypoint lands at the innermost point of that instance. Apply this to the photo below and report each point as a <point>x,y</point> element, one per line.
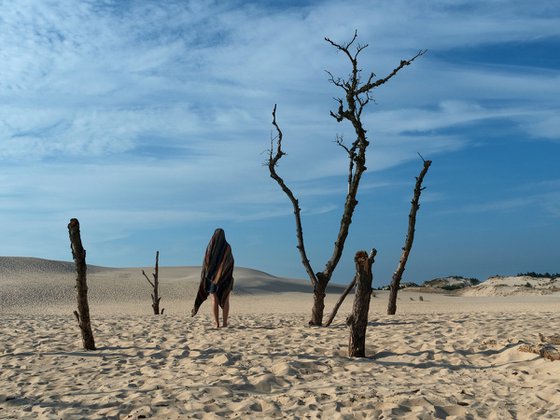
<point>79,255</point>
<point>358,319</point>
<point>357,94</point>
<point>415,205</point>
<point>155,287</point>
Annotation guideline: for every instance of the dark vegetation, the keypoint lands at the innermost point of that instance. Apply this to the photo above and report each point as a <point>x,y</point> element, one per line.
<point>539,275</point>
<point>451,287</point>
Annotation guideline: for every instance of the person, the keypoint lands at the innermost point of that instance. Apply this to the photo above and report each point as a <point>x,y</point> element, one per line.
<point>216,277</point>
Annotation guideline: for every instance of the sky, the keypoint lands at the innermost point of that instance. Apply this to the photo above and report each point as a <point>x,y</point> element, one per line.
<point>150,122</point>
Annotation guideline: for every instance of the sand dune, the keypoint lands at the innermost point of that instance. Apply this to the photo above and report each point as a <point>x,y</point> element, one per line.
<point>33,284</point>
<point>515,285</point>
<point>24,266</point>
<point>439,357</point>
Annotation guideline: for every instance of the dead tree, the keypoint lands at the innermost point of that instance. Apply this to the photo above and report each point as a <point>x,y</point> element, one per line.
<point>79,255</point>
<point>415,205</point>
<point>357,94</point>
<point>155,287</point>
<point>358,319</point>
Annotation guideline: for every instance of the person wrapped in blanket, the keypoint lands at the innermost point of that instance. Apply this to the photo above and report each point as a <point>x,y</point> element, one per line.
<point>216,277</point>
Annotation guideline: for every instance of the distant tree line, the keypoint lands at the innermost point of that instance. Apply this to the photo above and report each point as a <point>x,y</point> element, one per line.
<point>539,275</point>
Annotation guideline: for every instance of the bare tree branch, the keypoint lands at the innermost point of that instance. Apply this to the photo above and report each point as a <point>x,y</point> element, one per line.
<point>275,156</point>
<point>351,158</point>
<point>337,82</point>
<point>345,48</point>
<point>151,284</point>
<point>415,205</point>
<point>369,86</point>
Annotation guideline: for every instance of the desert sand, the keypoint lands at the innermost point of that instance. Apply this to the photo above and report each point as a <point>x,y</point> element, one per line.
<point>442,356</point>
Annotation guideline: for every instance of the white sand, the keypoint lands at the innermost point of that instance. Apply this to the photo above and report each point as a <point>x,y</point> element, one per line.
<point>444,357</point>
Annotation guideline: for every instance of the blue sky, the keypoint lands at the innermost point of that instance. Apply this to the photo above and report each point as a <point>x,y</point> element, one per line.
<point>149,121</point>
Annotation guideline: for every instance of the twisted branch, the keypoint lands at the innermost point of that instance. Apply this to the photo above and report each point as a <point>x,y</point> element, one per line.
<point>275,155</point>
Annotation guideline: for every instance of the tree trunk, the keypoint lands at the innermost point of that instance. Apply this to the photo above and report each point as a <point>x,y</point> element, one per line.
<point>359,318</point>
<point>82,314</point>
<point>318,300</point>
<point>397,275</point>
<point>393,294</point>
<point>155,295</point>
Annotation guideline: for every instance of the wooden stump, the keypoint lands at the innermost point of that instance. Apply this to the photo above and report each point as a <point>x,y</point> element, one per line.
<point>82,314</point>
<point>359,318</point>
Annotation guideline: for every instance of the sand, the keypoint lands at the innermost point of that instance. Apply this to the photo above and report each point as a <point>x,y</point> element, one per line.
<point>440,357</point>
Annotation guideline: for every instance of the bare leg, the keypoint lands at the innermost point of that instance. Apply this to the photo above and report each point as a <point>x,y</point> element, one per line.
<point>226,312</point>
<point>215,310</point>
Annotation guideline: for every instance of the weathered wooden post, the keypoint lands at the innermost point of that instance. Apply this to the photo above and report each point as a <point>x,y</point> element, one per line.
<point>155,287</point>
<point>358,319</point>
<point>79,255</point>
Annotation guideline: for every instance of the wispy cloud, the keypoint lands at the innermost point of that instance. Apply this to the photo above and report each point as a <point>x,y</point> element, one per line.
<point>113,75</point>
<point>542,198</point>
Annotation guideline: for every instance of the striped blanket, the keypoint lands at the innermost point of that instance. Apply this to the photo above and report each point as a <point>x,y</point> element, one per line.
<point>217,271</point>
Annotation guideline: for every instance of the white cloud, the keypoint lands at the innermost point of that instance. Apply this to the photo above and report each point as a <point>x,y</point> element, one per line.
<point>545,125</point>
<point>535,196</point>
<point>115,72</point>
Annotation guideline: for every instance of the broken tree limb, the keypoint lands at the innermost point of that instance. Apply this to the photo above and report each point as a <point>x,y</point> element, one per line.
<point>415,205</point>
<point>79,256</point>
<point>339,302</point>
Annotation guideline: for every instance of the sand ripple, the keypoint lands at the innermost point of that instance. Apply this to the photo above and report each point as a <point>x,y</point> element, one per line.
<point>421,366</point>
